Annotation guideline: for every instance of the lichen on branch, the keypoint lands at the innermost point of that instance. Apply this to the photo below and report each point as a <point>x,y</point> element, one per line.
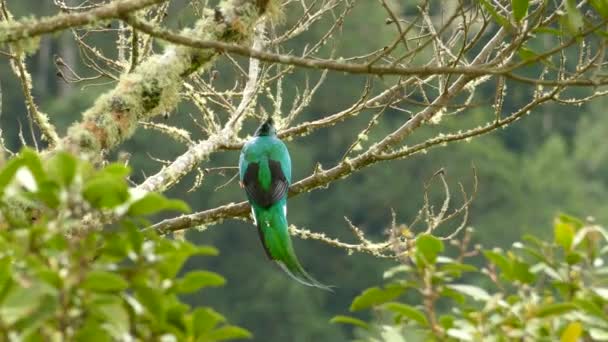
<point>153,87</point>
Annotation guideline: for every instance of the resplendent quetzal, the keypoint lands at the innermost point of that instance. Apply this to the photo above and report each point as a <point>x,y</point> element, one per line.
<point>265,173</point>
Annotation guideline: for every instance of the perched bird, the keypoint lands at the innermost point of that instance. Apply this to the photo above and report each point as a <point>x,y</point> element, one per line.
<point>265,174</point>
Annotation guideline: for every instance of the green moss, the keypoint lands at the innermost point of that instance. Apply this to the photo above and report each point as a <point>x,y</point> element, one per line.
<point>153,88</point>
<point>151,94</point>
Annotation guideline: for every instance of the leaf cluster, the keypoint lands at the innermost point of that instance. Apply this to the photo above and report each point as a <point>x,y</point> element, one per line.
<point>62,279</point>
<point>538,290</point>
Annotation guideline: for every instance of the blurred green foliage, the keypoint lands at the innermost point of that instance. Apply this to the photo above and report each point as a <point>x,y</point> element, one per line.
<point>537,290</point>
<point>61,279</point>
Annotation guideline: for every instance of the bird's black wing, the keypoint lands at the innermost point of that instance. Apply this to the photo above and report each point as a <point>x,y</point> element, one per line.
<point>278,184</point>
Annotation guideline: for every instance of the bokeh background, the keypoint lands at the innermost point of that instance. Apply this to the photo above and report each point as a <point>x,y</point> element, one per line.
<point>554,160</point>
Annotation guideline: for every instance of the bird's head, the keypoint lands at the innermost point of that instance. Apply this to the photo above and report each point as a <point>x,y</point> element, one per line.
<point>266,129</point>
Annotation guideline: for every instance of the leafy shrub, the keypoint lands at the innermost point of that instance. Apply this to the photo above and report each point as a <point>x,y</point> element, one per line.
<point>76,265</point>
<point>536,291</point>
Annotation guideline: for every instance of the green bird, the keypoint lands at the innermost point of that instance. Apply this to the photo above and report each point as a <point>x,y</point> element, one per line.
<point>265,174</point>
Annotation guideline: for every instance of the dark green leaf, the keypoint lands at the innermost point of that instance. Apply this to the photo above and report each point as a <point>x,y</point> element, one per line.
<point>548,30</point>
<point>104,281</point>
<point>501,261</point>
<point>8,172</point>
<point>591,308</point>
<point>153,300</point>
<point>500,20</point>
<point>601,6</point>
<point>92,332</point>
<point>205,319</point>
<point>199,279</point>
<point>21,302</point>
<point>115,316</point>
<point>375,296</point>
<point>521,272</point>
<point>474,292</point>
<point>228,332</point>
<point>116,170</point>
<point>106,192</point>
<point>45,310</point>
<point>526,54</point>
<point>153,202</point>
<point>33,163</point>
<point>555,309</point>
<point>62,168</point>
<point>428,247</point>
<point>575,222</point>
<point>574,18</point>
<point>341,319</point>
<point>520,9</point>
<point>407,311</point>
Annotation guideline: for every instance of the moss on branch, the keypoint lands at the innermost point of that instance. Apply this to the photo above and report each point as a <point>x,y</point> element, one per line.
<point>153,87</point>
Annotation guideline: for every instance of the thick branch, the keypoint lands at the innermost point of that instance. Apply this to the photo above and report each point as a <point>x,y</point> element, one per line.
<point>28,28</point>
<point>323,177</point>
<point>185,163</point>
<point>360,68</point>
<point>153,87</point>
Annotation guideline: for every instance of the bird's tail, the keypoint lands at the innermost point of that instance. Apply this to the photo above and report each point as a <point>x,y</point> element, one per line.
<point>272,227</point>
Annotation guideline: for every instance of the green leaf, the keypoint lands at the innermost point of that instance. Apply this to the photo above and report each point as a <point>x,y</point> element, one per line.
<point>103,281</point>
<point>446,321</point>
<point>33,163</point>
<point>153,203</point>
<point>391,272</point>
<point>601,6</point>
<point>407,311</point>
<point>228,332</point>
<point>45,310</point>
<point>555,309</point>
<point>341,319</point>
<point>198,279</point>
<point>428,247</point>
<point>499,260</point>
<point>21,302</point>
<point>474,292</point>
<point>548,30</point>
<point>153,300</point>
<point>520,9</point>
<point>176,314</point>
<point>106,191</point>
<point>521,272</point>
<point>92,332</point>
<point>572,332</point>
<point>526,54</point>
<point>8,172</point>
<point>457,268</point>
<point>575,222</point>
<point>375,296</point>
<point>205,251</point>
<point>564,234</point>
<point>116,170</point>
<point>113,313</point>
<point>591,308</point>
<point>574,18</point>
<point>502,21</point>
<point>455,295</point>
<point>205,319</point>
<point>5,273</point>
<point>62,167</point>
